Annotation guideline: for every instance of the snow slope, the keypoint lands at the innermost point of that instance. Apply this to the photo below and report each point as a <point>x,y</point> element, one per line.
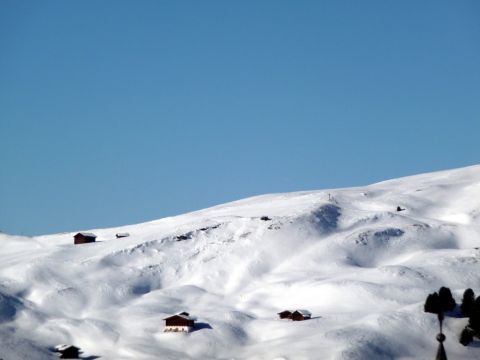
<point>362,268</point>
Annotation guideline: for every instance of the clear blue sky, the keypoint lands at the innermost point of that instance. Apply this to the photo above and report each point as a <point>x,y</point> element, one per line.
<point>117,112</point>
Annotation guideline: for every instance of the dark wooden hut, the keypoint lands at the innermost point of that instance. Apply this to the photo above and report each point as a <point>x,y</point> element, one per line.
<point>84,237</point>
<point>68,351</point>
<point>297,315</point>
<point>286,314</point>
<point>181,322</point>
<point>300,315</point>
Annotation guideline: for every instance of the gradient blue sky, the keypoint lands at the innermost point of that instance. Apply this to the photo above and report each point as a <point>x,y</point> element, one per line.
<point>117,112</point>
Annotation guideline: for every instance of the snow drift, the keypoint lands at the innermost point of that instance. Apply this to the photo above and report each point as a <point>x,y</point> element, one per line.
<point>362,268</point>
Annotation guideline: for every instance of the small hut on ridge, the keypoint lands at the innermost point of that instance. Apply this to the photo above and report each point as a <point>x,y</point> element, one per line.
<point>181,322</point>
<point>84,237</point>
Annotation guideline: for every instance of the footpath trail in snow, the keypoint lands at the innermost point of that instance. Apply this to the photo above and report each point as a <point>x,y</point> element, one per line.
<point>362,268</point>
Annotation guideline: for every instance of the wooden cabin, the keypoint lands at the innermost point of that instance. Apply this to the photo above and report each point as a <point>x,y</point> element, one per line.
<point>286,314</point>
<point>122,235</point>
<point>181,322</point>
<point>84,237</point>
<point>68,351</point>
<point>297,315</point>
<point>300,315</point>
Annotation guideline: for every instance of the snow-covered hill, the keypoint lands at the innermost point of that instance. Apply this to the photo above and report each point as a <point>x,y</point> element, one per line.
<point>362,268</point>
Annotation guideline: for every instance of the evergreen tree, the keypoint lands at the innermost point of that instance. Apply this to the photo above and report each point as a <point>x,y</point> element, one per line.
<point>432,304</point>
<point>476,304</point>
<point>466,336</point>
<point>467,302</point>
<point>447,302</point>
<point>474,319</point>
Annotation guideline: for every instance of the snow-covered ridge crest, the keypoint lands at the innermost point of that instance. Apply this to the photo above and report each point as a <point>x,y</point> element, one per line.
<point>347,255</point>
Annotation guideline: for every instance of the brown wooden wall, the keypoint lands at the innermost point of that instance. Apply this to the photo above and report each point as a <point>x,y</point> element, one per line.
<point>285,315</point>
<point>178,321</point>
<point>297,316</point>
<point>80,239</point>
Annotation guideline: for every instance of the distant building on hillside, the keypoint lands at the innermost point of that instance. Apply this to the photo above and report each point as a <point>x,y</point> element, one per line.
<point>122,235</point>
<point>84,237</point>
<point>297,315</point>
<point>181,322</point>
<point>285,314</point>
<point>68,351</point>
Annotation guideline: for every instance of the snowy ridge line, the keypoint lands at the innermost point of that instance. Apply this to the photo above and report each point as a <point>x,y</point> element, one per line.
<point>359,266</point>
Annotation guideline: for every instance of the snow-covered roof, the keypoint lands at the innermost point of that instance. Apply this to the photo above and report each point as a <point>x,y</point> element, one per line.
<point>87,234</point>
<point>304,312</point>
<point>124,234</point>
<point>186,317</point>
<point>300,311</point>
<point>63,347</point>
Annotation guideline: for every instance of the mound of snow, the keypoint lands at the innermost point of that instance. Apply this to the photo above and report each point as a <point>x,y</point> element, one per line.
<point>362,268</point>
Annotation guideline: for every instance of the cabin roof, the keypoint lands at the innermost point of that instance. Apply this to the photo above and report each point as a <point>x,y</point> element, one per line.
<point>186,317</point>
<point>300,311</point>
<point>304,312</point>
<point>87,234</point>
<point>123,234</point>
<point>63,347</point>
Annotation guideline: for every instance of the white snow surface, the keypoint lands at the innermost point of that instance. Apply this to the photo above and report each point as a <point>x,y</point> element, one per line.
<point>362,268</point>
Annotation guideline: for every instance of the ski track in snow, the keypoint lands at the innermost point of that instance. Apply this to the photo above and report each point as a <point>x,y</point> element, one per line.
<point>362,268</point>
